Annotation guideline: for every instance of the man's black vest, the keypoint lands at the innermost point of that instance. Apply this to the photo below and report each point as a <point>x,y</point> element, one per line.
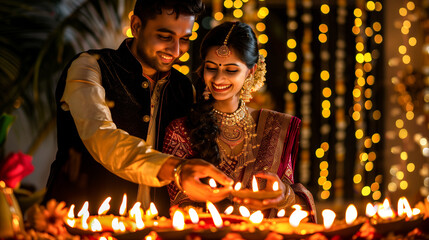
<point>75,176</point>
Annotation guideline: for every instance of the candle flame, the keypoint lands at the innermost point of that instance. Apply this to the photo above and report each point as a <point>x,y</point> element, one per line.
<point>328,218</point>
<point>123,207</point>
<point>275,186</point>
<point>96,225</point>
<point>153,210</point>
<point>255,184</point>
<point>229,210</point>
<point>212,183</point>
<point>281,213</point>
<point>70,216</point>
<point>217,220</point>
<point>244,211</point>
<point>193,215</point>
<point>404,207</point>
<point>178,220</point>
<point>84,220</point>
<point>370,210</point>
<point>256,217</point>
<point>84,209</point>
<point>136,210</point>
<point>105,206</point>
<point>237,186</point>
<point>351,214</point>
<point>297,216</point>
<point>102,238</point>
<point>385,211</point>
<point>296,207</point>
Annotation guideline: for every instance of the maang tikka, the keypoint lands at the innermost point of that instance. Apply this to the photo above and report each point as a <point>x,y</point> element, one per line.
<point>223,51</point>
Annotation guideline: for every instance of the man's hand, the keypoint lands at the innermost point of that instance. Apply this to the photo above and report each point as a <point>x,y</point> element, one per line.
<point>194,170</point>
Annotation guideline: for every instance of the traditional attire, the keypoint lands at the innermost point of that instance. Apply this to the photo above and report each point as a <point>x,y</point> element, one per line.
<point>111,118</point>
<point>277,137</point>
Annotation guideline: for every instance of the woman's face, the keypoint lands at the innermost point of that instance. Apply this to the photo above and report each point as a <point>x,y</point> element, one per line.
<point>224,75</point>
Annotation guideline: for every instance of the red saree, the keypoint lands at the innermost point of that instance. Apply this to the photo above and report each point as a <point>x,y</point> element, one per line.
<point>278,136</point>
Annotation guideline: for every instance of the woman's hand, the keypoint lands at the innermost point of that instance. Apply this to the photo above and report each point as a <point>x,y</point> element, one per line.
<point>286,198</point>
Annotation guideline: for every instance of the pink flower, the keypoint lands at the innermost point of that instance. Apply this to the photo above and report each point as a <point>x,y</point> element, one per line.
<point>15,167</point>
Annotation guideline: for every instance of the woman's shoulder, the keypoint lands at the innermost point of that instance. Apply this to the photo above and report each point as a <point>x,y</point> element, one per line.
<point>273,114</point>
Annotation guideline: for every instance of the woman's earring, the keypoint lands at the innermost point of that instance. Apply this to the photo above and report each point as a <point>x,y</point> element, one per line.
<point>246,89</point>
<point>206,93</point>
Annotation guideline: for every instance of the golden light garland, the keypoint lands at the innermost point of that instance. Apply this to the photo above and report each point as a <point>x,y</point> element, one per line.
<point>291,57</point>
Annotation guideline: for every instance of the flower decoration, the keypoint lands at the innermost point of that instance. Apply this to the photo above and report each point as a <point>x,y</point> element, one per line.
<point>15,167</point>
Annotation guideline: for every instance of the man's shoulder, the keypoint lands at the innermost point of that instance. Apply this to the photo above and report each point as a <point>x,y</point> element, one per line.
<point>178,76</point>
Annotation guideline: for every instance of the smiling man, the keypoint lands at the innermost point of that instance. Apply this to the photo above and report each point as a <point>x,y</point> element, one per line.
<point>113,108</point>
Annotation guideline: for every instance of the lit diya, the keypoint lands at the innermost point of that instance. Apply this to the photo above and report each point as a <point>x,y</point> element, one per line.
<point>385,220</point>
<point>175,228</point>
<point>423,207</point>
<point>209,226</point>
<point>255,193</point>
<point>346,228</point>
<point>254,228</point>
<point>294,228</point>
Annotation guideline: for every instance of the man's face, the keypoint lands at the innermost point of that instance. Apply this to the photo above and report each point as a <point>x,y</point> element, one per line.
<point>161,41</point>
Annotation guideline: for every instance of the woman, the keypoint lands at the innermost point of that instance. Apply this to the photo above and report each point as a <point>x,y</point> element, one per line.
<point>221,129</point>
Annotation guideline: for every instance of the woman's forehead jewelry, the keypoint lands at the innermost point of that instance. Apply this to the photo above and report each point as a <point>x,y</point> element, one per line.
<point>223,51</point>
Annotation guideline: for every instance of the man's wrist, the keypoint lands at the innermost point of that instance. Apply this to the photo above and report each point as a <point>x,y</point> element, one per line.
<point>177,174</point>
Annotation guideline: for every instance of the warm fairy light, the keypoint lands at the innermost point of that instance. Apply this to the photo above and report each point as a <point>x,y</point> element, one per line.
<point>70,216</point>
<point>237,186</point>
<point>404,207</point>
<point>229,210</point>
<point>370,210</point>
<point>123,207</point>
<point>244,211</point>
<point>217,220</point>
<point>351,214</point>
<point>105,206</point>
<point>328,218</point>
<point>281,213</point>
<point>178,220</point>
<point>212,183</point>
<point>254,184</point>
<point>297,216</point>
<point>83,210</point>
<point>96,225</point>
<point>275,186</point>
<point>256,217</point>
<point>193,215</point>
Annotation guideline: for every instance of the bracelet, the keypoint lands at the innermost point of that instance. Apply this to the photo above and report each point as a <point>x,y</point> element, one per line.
<point>177,171</point>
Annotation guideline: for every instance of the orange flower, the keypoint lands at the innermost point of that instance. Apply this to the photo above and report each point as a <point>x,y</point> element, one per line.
<point>15,167</point>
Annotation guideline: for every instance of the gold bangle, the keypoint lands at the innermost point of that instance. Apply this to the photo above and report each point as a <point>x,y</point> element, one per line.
<point>177,171</point>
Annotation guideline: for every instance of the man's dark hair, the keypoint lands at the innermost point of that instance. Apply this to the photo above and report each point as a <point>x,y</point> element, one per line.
<point>148,9</point>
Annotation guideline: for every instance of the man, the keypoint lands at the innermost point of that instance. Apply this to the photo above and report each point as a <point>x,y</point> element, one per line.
<point>114,105</point>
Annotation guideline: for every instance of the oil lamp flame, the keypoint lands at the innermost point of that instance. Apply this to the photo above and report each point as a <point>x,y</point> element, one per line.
<point>255,184</point>
<point>297,216</point>
<point>153,210</point>
<point>281,213</point>
<point>296,207</point>
<point>84,220</point>
<point>385,211</point>
<point>212,183</point>
<point>256,217</point>
<point>105,206</point>
<point>351,214</point>
<point>244,211</point>
<point>136,213</point>
<point>95,225</point>
<point>178,220</point>
<point>275,186</point>
<point>70,216</point>
<point>237,186</point>
<point>217,220</point>
<point>370,210</point>
<point>416,211</point>
<point>229,210</point>
<point>84,209</point>
<point>118,225</point>
<point>404,207</point>
<point>328,218</point>
<point>193,215</point>
<point>123,207</point>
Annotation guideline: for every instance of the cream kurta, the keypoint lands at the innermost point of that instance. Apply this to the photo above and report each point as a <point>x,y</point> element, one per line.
<point>127,156</point>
